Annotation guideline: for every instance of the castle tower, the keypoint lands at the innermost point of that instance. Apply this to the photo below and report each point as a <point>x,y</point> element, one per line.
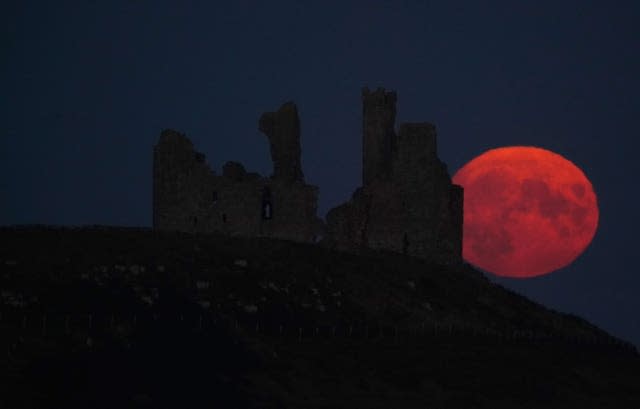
<point>407,202</point>
<point>283,130</point>
<point>378,120</point>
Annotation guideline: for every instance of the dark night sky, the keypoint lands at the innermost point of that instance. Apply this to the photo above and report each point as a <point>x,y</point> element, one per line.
<point>87,87</point>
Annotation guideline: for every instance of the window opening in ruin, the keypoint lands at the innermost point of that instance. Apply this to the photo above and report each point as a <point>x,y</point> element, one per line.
<point>214,197</point>
<point>224,217</point>
<point>267,207</point>
<point>195,220</point>
<point>266,211</point>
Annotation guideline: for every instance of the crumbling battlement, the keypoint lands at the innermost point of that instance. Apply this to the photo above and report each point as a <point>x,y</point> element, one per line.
<point>406,204</point>
<point>189,196</point>
<point>283,130</point>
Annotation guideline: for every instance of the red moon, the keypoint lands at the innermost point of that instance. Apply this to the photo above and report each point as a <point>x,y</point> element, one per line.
<point>527,211</point>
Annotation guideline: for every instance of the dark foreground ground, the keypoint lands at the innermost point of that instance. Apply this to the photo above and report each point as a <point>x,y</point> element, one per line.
<point>127,318</point>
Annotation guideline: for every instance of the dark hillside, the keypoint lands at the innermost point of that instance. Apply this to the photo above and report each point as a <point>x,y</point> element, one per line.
<point>126,317</point>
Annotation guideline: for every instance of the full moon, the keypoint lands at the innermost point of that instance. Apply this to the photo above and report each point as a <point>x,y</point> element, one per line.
<point>527,211</point>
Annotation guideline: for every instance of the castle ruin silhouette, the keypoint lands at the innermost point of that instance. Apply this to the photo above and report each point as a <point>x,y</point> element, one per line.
<point>406,204</point>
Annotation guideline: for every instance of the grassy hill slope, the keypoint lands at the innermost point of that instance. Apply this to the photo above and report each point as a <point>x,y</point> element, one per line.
<point>128,317</point>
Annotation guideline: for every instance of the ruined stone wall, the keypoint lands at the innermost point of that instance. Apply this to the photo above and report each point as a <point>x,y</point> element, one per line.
<point>283,130</point>
<point>189,196</point>
<point>180,174</point>
<point>407,203</point>
<point>415,156</point>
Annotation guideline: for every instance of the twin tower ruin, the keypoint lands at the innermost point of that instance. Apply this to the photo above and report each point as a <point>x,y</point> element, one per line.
<point>406,204</point>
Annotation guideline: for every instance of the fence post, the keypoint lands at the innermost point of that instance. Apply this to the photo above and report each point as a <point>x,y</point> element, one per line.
<point>300,334</point>
<point>280,329</point>
<point>333,331</point>
<point>257,326</point>
<point>24,321</point>
<point>350,330</point>
<point>90,321</point>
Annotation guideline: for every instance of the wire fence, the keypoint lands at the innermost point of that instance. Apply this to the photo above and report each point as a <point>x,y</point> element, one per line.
<point>422,334</point>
